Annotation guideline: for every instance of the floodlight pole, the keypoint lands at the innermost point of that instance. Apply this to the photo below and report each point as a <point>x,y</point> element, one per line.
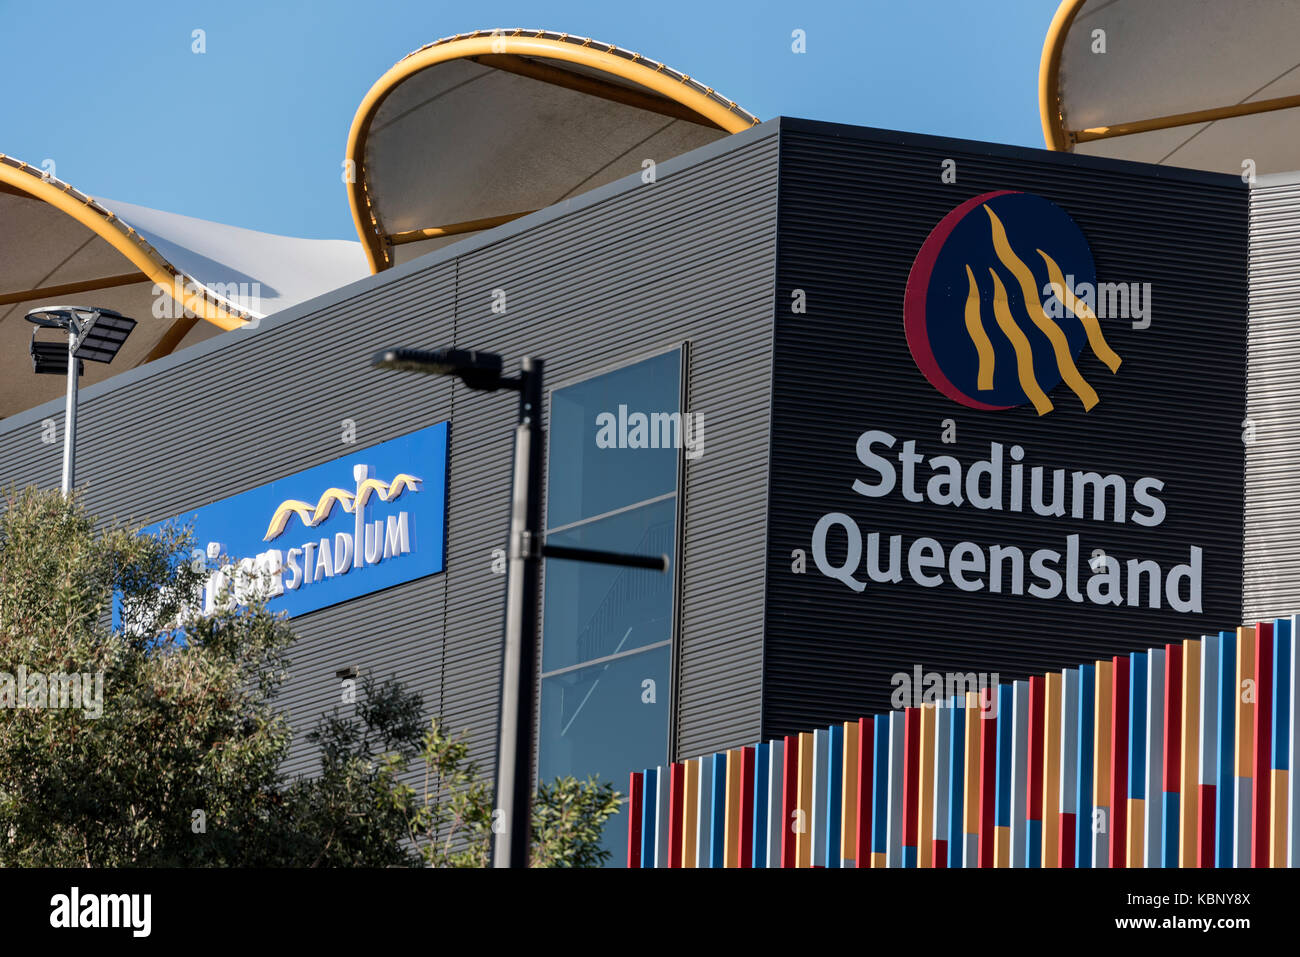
<point>70,413</point>
<point>512,817</point>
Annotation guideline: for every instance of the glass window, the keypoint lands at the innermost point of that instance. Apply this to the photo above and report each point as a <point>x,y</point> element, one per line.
<point>607,632</point>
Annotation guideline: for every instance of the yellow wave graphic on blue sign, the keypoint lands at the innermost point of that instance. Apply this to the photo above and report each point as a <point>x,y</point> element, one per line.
<point>349,501</point>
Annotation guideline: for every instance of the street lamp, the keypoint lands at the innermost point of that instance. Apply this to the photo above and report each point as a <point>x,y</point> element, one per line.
<point>93,333</point>
<point>514,786</point>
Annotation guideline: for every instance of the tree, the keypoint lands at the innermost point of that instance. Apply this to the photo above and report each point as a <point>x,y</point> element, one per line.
<point>166,749</point>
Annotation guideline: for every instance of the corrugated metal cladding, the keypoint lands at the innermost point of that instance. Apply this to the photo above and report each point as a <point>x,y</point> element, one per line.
<point>625,271</point>
<point>1272,561</point>
<point>855,208</point>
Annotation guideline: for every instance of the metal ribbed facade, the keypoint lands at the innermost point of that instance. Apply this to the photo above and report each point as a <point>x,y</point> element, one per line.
<point>1272,560</point>
<point>855,207</point>
<point>624,271</point>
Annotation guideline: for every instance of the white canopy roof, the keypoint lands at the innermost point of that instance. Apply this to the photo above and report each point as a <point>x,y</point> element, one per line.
<point>1207,84</point>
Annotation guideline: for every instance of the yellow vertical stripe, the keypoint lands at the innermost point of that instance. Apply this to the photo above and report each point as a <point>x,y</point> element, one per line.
<point>1189,798</point>
<point>1086,316</point>
<point>849,795</point>
<point>975,326</point>
<point>1101,737</point>
<point>690,811</point>
<point>1052,771</point>
<point>1020,343</point>
<point>1048,327</point>
<point>803,820</point>
<point>1136,831</point>
<point>972,783</point>
<point>1278,832</point>
<point>925,817</point>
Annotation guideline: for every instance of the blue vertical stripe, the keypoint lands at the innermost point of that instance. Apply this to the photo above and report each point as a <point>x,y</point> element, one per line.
<point>1282,696</point>
<point>1006,727</point>
<point>762,755</point>
<point>718,813</point>
<point>1226,785</point>
<point>648,816</point>
<point>880,786</point>
<point>834,795</point>
<point>957,784</point>
<point>1083,805</point>
<point>1137,726</point>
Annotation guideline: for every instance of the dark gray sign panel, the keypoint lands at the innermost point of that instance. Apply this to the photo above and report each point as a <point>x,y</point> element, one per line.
<point>1009,392</point>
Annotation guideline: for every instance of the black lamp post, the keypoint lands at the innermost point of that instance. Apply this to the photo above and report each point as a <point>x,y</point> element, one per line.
<point>93,333</point>
<point>514,785</point>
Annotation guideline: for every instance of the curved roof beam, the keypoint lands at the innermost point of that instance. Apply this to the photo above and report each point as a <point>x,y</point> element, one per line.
<point>555,61</point>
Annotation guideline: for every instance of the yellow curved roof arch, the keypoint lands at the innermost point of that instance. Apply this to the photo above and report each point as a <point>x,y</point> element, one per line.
<point>589,66</point>
<point>1206,84</point>
<point>195,298</point>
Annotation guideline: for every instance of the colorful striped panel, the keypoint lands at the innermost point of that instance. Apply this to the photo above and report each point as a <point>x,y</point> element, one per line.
<point>1019,772</point>
<point>956,782</point>
<point>761,791</point>
<point>866,738</point>
<point>1173,755</point>
<point>849,793</point>
<point>925,789</point>
<point>1260,815</point>
<point>676,817</point>
<point>1293,750</point>
<point>803,821</point>
<point>1135,826</point>
<point>1006,721</point>
<point>1208,773</point>
<point>790,802</point>
<point>897,744</point>
<point>735,782</point>
<point>942,771</point>
<point>663,815</point>
<point>1281,740</point>
<point>1225,688</point>
<point>691,812</point>
<point>1052,769</point>
<point>1152,855</point>
<point>1034,790</point>
<point>636,782</point>
<point>649,792</point>
<point>1119,761</point>
<point>911,783</point>
<point>1244,749</point>
<point>833,784</point>
<point>974,728</point>
<point>817,819</point>
<point>1085,825</point>
<point>1101,808</point>
<point>880,792</point>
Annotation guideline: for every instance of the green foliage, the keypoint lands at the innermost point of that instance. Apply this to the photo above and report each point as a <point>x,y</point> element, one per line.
<point>182,765</point>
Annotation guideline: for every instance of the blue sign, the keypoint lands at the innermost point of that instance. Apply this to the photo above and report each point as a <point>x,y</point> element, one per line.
<point>369,520</point>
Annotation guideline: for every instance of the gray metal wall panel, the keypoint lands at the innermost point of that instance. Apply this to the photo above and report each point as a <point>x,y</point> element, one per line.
<point>1272,560</point>
<point>621,272</point>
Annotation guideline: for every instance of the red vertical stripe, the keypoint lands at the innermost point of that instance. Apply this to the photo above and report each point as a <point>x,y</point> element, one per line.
<point>1208,813</point>
<point>676,813</point>
<point>1260,817</point>
<point>747,807</point>
<point>1119,762</point>
<point>1065,853</point>
<point>634,819</point>
<point>1173,724</point>
<point>866,789</point>
<point>1034,792</point>
<point>789,799</point>
<point>988,782</point>
<point>911,775</point>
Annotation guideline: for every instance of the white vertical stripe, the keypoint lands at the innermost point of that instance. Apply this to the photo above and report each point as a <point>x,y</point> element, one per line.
<point>1070,742</point>
<point>705,814</point>
<point>1209,763</point>
<point>1020,774</point>
<point>775,770</point>
<point>942,755</point>
<point>894,856</point>
<point>1155,784</point>
<point>663,811</point>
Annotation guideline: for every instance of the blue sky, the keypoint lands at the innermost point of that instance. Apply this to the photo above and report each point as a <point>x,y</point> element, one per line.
<point>252,132</point>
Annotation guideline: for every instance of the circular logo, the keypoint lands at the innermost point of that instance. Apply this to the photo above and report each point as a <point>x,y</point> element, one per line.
<point>990,312</point>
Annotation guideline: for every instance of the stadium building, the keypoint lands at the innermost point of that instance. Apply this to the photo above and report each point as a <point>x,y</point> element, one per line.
<point>891,403</point>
